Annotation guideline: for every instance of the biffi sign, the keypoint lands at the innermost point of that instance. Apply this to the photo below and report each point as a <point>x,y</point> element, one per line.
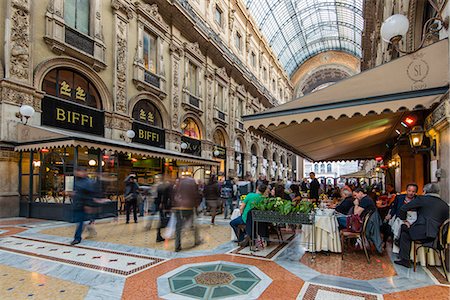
<point>64,114</point>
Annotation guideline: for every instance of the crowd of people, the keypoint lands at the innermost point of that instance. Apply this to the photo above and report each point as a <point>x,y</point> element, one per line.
<point>400,217</point>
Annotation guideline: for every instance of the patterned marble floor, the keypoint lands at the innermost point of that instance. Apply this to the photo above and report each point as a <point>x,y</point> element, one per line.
<point>124,262</point>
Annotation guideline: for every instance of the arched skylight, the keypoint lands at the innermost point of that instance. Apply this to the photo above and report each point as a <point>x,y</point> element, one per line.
<point>299,29</point>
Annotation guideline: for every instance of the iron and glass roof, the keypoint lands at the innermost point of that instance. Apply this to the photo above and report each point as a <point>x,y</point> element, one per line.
<point>299,29</point>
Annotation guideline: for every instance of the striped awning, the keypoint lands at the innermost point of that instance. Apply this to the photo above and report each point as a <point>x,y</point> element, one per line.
<point>40,137</point>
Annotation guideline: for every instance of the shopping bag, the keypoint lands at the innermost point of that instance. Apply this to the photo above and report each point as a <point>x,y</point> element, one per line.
<point>169,232</point>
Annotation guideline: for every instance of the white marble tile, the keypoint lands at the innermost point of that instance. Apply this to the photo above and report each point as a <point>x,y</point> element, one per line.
<point>99,259</point>
<point>328,295</point>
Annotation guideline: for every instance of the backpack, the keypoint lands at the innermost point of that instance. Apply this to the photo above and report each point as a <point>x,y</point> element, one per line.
<point>226,192</point>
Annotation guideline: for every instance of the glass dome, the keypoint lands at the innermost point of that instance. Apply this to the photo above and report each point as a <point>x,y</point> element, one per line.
<point>298,30</point>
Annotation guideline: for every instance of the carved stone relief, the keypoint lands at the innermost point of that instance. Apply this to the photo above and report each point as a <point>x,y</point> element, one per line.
<point>121,65</point>
<point>19,64</point>
<point>176,85</point>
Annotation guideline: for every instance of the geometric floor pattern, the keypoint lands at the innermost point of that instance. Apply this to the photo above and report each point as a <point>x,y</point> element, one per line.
<point>217,280</point>
<point>99,259</point>
<point>125,262</point>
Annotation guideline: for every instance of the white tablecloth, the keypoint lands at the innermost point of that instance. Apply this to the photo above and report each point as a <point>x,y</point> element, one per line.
<point>326,234</point>
<point>432,258</point>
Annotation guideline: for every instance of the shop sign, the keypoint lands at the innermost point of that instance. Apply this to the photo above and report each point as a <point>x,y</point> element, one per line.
<point>222,152</point>
<point>194,146</point>
<point>149,135</point>
<point>68,115</point>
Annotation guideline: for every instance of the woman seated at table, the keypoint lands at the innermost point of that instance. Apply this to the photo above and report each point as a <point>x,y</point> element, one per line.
<point>345,208</point>
<point>247,205</point>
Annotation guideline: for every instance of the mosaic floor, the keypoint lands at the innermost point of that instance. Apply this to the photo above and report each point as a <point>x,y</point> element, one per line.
<point>125,262</point>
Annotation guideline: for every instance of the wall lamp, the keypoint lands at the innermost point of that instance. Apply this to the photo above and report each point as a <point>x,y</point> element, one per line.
<point>130,134</point>
<point>216,153</point>
<point>26,112</point>
<point>416,137</point>
<point>395,27</point>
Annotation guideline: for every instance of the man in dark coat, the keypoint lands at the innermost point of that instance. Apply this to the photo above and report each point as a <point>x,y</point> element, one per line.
<point>163,203</point>
<point>314,187</point>
<point>82,198</point>
<point>432,211</point>
<point>131,196</point>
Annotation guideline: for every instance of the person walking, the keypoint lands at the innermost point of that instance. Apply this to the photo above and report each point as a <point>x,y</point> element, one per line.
<point>186,199</point>
<point>163,204</point>
<point>131,196</point>
<point>82,197</point>
<point>227,193</point>
<point>212,196</point>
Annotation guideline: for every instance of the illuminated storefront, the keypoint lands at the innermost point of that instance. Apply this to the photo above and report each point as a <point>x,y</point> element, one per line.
<point>220,153</point>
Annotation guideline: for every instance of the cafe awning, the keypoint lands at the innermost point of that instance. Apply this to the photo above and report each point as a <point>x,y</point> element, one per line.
<point>357,174</point>
<point>354,118</point>
<point>39,137</point>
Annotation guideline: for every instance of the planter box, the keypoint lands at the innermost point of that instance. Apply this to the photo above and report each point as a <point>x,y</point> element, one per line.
<point>270,216</point>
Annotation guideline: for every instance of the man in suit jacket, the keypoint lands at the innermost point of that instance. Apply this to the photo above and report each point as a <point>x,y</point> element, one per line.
<point>432,211</point>
<point>314,187</point>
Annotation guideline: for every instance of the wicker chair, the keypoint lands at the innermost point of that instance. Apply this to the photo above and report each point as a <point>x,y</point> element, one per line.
<point>440,245</point>
<point>347,235</point>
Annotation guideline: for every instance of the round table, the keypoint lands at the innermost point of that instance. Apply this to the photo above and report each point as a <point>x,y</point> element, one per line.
<point>326,232</point>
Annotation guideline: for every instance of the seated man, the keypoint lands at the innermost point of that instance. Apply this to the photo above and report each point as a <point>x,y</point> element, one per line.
<point>345,207</point>
<point>393,227</point>
<point>432,211</point>
<point>250,200</point>
<point>363,204</point>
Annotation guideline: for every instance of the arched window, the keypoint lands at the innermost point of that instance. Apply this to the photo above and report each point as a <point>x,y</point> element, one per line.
<point>265,154</point>
<point>253,150</point>
<point>328,168</point>
<point>70,85</point>
<point>190,128</point>
<point>144,111</point>
<point>316,168</point>
<point>218,138</point>
<point>322,168</point>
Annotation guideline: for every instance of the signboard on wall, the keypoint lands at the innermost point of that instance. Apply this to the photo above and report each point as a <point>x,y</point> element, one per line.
<point>149,135</point>
<point>194,146</point>
<point>68,115</point>
<point>222,152</point>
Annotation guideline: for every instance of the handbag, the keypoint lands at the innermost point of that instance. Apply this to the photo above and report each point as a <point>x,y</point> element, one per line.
<point>354,223</point>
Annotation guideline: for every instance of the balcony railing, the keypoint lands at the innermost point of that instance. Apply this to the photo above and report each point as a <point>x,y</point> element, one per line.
<point>194,101</point>
<point>152,79</point>
<point>79,41</point>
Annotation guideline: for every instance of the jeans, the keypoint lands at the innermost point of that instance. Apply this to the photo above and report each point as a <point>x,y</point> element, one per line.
<point>142,207</point>
<point>131,205</point>
<point>164,217</point>
<point>342,221</point>
<point>234,224</point>
<point>79,218</point>
<point>184,216</point>
<point>228,207</point>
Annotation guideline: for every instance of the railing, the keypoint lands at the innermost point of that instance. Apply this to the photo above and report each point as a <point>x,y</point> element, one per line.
<point>194,101</point>
<point>79,40</point>
<point>201,25</point>
<point>152,79</point>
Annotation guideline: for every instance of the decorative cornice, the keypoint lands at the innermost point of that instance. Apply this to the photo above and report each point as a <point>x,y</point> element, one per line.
<point>222,73</point>
<point>124,6</point>
<point>151,13</point>
<point>194,49</point>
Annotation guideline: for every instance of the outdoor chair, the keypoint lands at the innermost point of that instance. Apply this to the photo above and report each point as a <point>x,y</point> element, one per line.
<point>347,235</point>
<point>440,246</point>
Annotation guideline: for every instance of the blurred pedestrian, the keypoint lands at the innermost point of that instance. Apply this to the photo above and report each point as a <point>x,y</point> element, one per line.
<point>163,204</point>
<point>131,196</point>
<point>82,197</point>
<point>212,196</point>
<point>186,199</point>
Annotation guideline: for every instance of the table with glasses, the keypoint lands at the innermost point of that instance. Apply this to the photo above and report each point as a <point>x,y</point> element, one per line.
<point>326,232</point>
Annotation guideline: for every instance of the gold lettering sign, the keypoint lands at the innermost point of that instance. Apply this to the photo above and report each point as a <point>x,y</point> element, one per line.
<point>73,117</point>
<point>80,94</point>
<point>150,117</point>
<point>148,135</point>
<point>65,89</point>
<point>142,115</point>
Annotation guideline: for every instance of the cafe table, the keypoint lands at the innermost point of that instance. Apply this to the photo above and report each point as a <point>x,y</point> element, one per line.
<point>326,233</point>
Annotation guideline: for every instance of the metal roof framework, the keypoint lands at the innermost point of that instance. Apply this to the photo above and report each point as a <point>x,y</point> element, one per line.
<point>298,30</point>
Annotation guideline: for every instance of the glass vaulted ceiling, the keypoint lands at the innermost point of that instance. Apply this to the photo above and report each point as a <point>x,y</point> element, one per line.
<point>299,29</point>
